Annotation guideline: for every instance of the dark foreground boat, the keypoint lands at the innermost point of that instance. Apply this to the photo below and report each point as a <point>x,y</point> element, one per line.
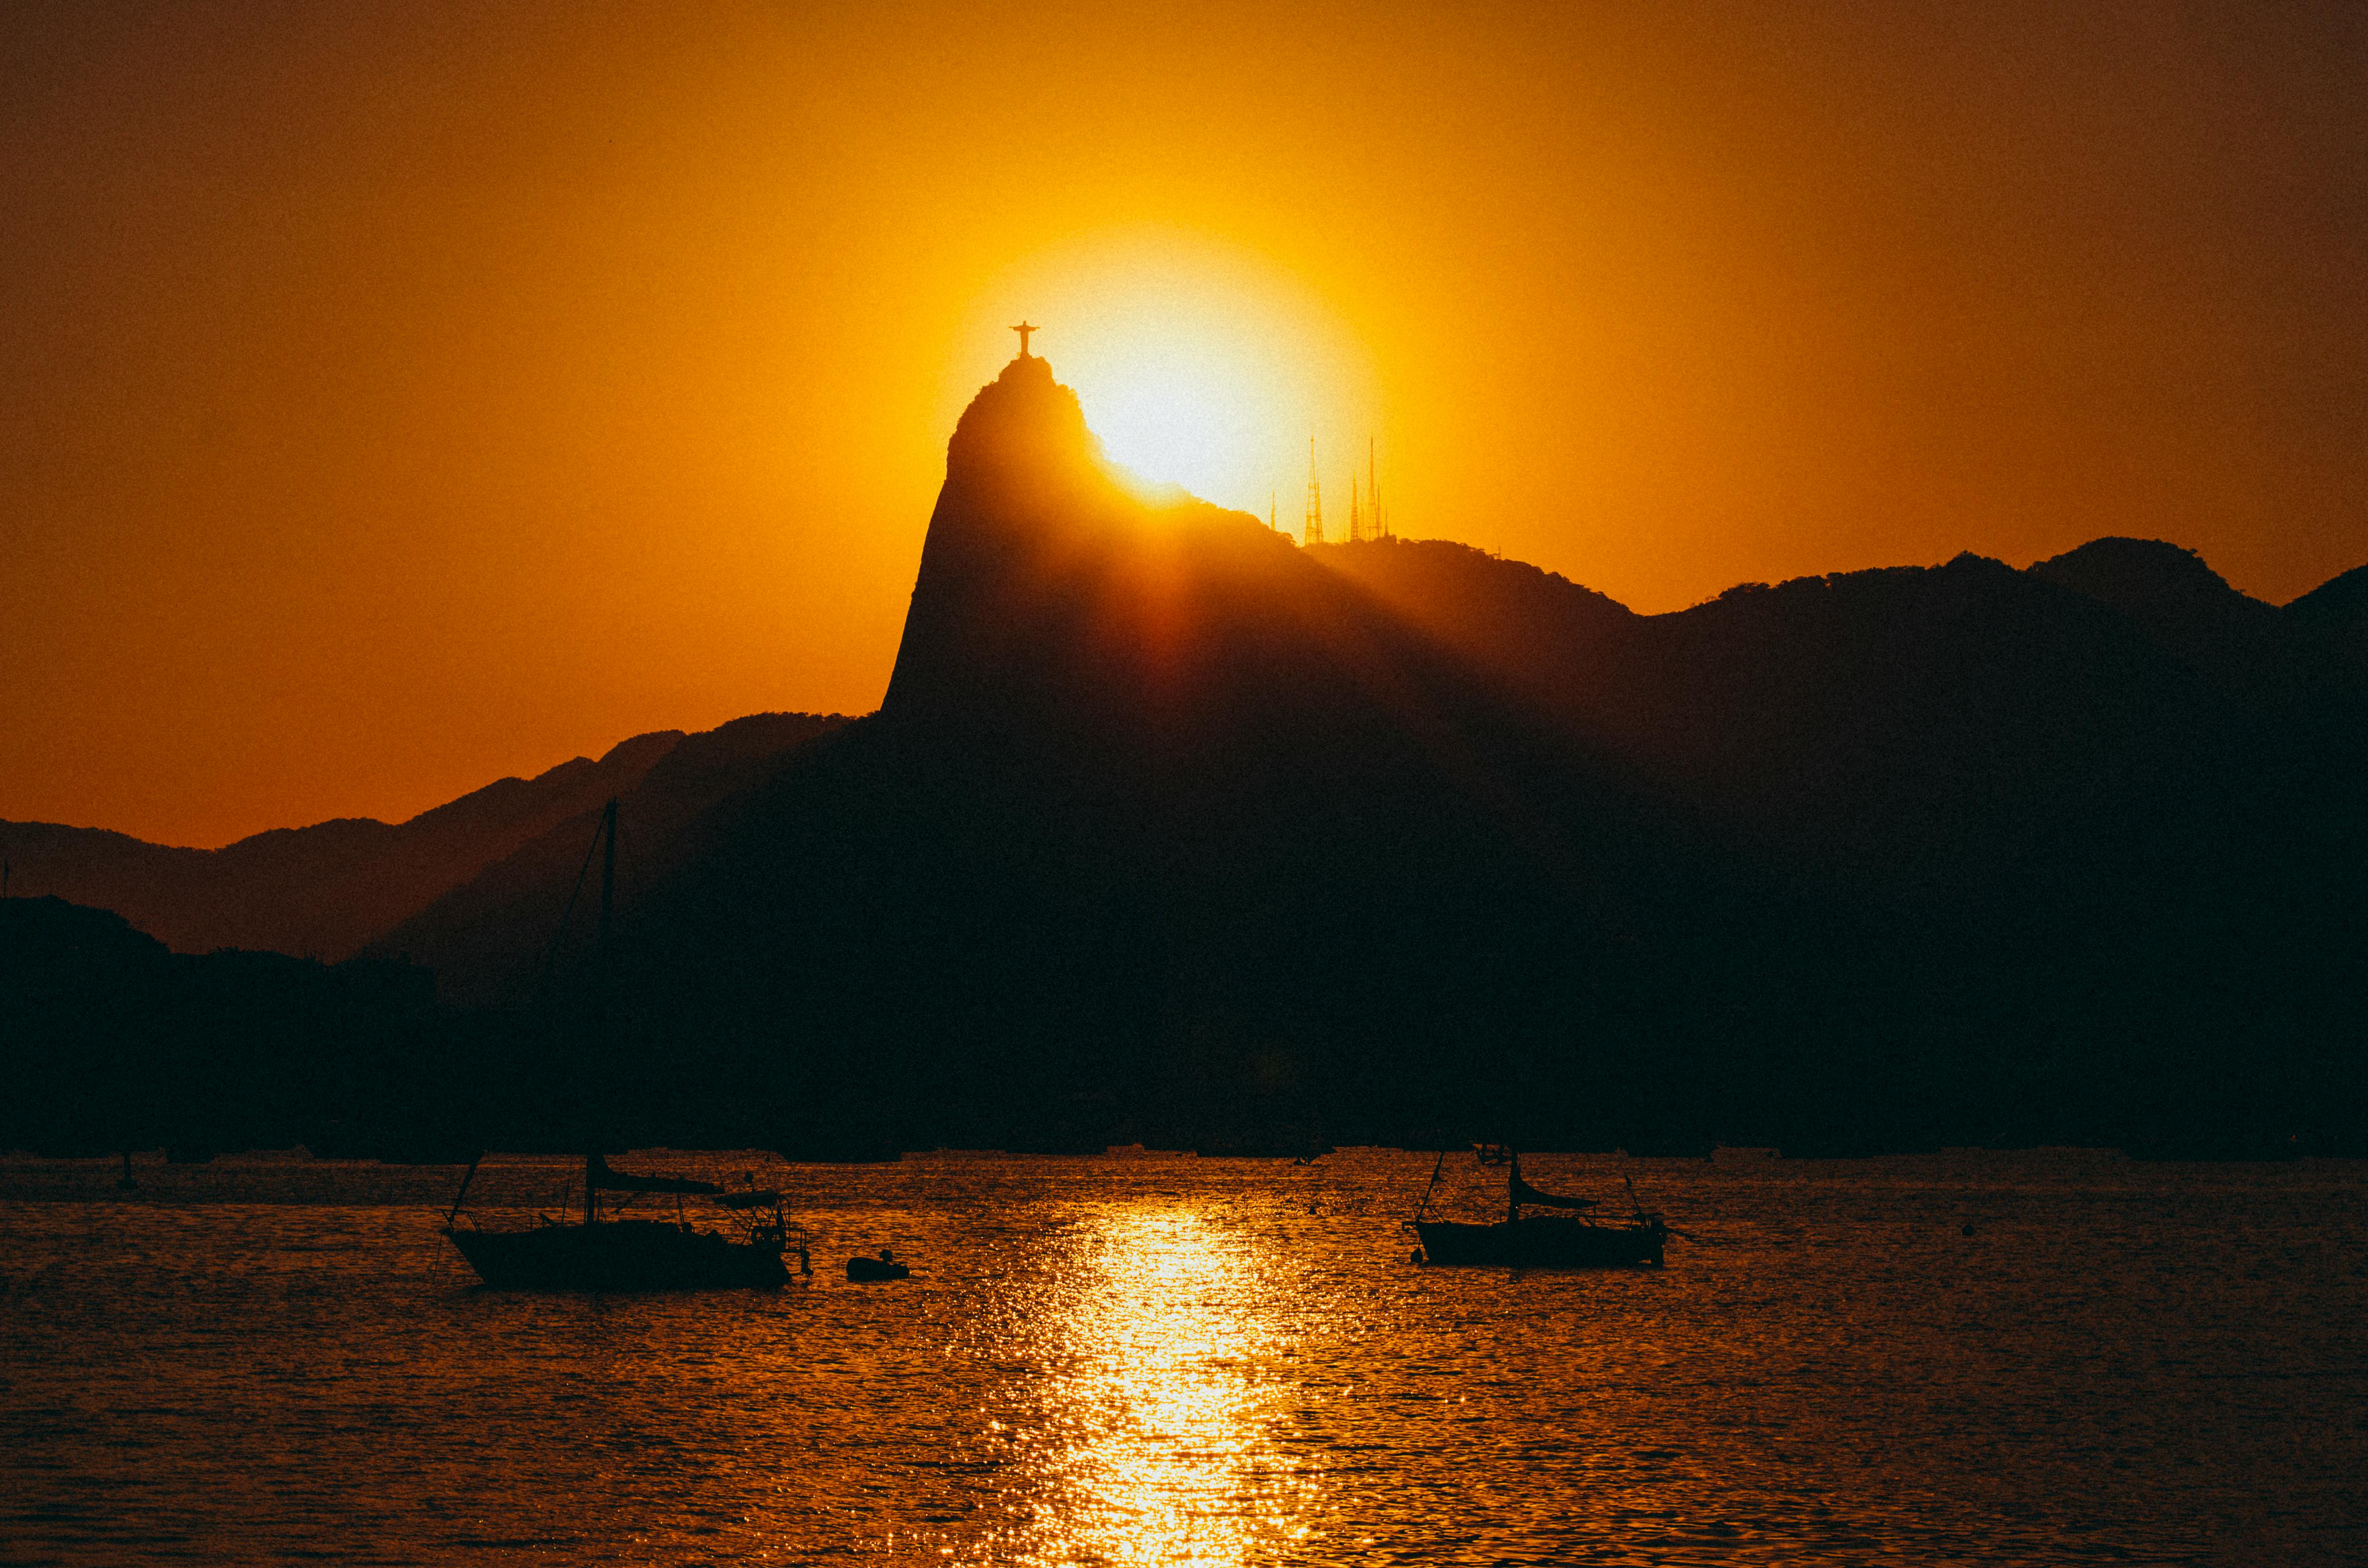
<point>616,1253</point>
<point>1547,1242</point>
<point>619,1254</point>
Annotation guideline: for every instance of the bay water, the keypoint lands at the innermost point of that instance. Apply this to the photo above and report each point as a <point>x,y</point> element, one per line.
<point>2046,1356</point>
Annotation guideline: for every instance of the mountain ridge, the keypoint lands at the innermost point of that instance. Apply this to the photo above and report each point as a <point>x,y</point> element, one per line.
<point>1166,814</point>
<point>322,891</point>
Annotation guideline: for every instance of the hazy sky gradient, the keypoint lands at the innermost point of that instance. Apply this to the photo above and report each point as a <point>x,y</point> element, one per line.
<point>395,398</point>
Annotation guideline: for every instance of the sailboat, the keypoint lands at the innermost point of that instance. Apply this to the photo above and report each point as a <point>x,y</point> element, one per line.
<point>618,1253</point>
<point>1571,1240</point>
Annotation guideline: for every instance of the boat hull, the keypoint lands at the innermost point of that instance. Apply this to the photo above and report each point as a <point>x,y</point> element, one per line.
<point>1542,1244</point>
<point>618,1256</point>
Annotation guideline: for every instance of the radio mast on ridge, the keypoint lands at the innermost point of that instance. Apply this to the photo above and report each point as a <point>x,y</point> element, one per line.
<point>1313,532</point>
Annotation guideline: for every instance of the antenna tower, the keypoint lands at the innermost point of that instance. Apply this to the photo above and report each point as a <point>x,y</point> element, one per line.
<point>1356,519</point>
<point>1373,493</point>
<point>1313,533</point>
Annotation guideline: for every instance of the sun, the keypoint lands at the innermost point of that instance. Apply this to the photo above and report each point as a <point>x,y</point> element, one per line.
<point>1197,365</point>
<point>1172,409</point>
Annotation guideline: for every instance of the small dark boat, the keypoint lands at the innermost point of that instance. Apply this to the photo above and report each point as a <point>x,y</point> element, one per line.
<point>1562,1241</point>
<point>885,1267</point>
<point>617,1254</point>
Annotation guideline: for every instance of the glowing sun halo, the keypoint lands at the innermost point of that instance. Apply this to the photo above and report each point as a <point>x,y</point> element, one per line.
<point>1175,413</point>
<point>1197,365</point>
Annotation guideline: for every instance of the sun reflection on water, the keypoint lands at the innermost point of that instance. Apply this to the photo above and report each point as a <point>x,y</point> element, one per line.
<point>1163,1453</point>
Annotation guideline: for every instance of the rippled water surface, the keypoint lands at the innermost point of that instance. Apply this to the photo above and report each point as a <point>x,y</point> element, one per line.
<point>1994,1359</point>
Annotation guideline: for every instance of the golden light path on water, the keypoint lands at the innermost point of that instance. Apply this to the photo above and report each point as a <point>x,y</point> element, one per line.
<point>1161,1451</point>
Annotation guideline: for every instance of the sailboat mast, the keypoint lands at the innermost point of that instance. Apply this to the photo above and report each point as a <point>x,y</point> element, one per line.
<point>607,906</point>
<point>607,873</point>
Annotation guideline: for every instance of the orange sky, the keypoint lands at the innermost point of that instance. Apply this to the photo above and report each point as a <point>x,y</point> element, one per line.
<point>395,398</point>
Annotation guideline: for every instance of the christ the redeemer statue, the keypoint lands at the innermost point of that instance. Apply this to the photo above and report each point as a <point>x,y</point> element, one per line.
<point>1023,329</point>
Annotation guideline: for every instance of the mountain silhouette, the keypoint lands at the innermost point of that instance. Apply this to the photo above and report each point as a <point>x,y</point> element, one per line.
<point>114,1041</point>
<point>324,890</point>
<point>1156,809</point>
<point>2339,604</point>
<point>1163,808</point>
<point>489,938</point>
<point>2186,609</point>
<point>1170,829</point>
